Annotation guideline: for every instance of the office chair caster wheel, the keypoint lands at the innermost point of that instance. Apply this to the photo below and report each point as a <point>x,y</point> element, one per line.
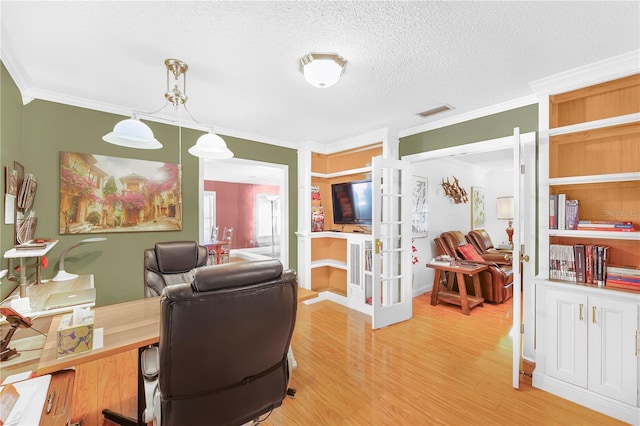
<point>291,392</point>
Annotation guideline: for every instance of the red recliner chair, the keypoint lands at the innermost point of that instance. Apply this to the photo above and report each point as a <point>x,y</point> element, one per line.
<point>496,282</point>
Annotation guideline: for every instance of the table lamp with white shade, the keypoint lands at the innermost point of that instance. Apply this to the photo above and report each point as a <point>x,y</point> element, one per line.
<point>504,207</point>
<point>63,275</point>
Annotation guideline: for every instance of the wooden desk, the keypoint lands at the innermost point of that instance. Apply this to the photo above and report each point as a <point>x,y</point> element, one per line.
<point>26,341</point>
<point>61,388</point>
<point>46,407</point>
<point>460,298</point>
<point>127,326</point>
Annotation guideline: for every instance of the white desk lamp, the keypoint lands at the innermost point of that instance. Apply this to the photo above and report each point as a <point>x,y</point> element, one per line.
<point>63,275</point>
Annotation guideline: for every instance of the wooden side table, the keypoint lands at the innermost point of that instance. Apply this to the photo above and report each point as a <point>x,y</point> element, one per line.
<point>460,298</point>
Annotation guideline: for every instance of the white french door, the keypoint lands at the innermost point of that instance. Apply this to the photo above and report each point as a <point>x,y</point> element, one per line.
<point>391,231</point>
<point>523,247</point>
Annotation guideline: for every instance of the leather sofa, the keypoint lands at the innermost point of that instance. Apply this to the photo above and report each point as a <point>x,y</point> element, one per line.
<point>496,282</point>
<point>480,239</point>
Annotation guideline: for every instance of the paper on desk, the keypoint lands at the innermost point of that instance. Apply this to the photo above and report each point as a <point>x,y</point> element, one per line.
<point>28,408</point>
<point>17,377</point>
<point>98,338</point>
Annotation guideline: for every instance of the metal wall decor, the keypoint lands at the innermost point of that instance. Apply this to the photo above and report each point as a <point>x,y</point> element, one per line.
<point>457,193</point>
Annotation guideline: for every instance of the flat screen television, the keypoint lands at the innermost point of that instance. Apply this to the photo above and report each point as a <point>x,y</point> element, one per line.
<point>352,203</point>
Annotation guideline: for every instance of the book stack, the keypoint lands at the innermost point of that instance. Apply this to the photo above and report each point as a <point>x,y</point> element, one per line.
<point>582,263</point>
<point>605,225</point>
<point>563,213</point>
<point>619,277</point>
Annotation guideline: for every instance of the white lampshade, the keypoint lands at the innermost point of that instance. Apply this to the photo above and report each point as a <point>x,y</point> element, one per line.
<point>322,70</point>
<point>211,146</point>
<point>132,133</point>
<point>504,207</point>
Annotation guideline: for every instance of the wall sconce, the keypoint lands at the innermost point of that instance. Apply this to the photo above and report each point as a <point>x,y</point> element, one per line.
<point>504,206</point>
<point>454,190</point>
<point>63,275</point>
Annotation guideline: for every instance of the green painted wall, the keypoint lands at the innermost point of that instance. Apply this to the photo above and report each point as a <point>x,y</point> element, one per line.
<point>10,151</point>
<point>480,129</point>
<point>49,128</point>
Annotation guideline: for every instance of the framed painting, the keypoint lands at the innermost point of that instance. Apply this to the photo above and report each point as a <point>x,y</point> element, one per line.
<point>101,194</point>
<point>478,217</point>
<point>419,211</point>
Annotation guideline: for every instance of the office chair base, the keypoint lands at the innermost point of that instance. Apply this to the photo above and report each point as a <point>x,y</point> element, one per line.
<point>118,418</point>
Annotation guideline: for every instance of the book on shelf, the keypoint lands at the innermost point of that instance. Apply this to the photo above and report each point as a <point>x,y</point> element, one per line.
<point>584,263</point>
<point>602,257</point>
<point>553,211</point>
<point>603,225</point>
<point>621,284</point>
<point>588,263</point>
<point>606,223</point>
<point>623,270</point>
<point>562,211</point>
<point>562,264</point>
<point>623,278</point>
<point>580,259</point>
<point>596,228</point>
<point>571,214</point>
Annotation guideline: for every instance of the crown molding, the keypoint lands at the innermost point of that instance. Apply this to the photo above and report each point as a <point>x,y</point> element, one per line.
<point>16,71</point>
<point>375,136</point>
<point>471,115</point>
<point>588,75</point>
<point>157,118</point>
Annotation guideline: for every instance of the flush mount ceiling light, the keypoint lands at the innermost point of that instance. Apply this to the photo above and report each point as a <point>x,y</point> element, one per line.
<point>322,69</point>
<point>133,133</point>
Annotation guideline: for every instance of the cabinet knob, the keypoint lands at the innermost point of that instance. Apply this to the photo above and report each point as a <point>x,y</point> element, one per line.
<point>524,257</point>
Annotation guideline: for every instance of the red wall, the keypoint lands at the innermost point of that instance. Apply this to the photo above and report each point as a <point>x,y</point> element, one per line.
<point>235,208</point>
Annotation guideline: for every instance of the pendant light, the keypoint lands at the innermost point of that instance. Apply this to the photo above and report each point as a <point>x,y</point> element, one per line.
<point>133,133</point>
<point>211,146</point>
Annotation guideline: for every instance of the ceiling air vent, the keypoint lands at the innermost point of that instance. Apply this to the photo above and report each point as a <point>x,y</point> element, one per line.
<point>435,110</point>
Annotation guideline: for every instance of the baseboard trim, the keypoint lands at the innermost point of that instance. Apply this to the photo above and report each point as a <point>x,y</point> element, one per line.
<point>603,404</point>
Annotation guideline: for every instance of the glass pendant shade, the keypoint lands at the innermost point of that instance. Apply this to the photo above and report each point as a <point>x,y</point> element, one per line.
<point>211,146</point>
<point>132,133</point>
<point>322,70</point>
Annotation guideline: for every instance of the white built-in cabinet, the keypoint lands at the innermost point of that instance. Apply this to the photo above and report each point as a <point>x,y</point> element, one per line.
<point>591,341</point>
<point>588,337</point>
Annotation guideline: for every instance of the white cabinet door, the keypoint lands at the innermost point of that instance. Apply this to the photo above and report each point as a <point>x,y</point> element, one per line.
<point>613,363</point>
<point>566,336</point>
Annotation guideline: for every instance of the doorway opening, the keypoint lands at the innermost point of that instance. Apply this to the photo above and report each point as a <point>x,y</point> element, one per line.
<point>249,197</point>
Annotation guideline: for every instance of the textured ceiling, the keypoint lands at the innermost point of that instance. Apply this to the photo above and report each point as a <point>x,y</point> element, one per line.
<point>244,79</point>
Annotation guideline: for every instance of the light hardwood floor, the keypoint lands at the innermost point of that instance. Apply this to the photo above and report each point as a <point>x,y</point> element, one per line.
<point>442,367</point>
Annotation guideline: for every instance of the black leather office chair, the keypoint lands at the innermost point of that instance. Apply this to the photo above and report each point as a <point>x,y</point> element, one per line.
<point>171,263</point>
<point>166,264</point>
<point>224,339</point>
